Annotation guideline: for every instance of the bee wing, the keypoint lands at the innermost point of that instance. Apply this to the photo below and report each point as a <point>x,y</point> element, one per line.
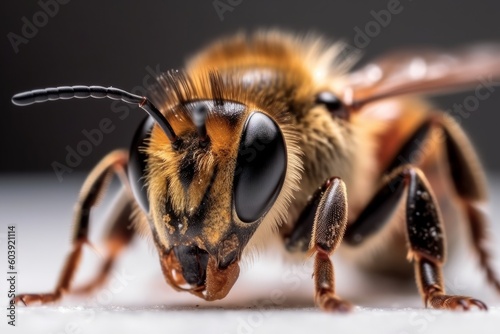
<point>428,72</point>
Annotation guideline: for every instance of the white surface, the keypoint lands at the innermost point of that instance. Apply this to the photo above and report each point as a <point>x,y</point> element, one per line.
<point>270,296</point>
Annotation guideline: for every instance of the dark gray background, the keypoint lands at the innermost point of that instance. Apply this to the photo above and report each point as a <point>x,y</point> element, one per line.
<point>112,42</point>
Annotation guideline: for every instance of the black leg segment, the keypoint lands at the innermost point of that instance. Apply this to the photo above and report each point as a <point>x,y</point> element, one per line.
<point>330,223</point>
<point>300,237</point>
<point>424,230</point>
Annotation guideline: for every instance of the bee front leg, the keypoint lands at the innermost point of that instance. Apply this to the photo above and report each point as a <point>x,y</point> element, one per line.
<point>92,190</point>
<point>328,230</point>
<point>118,237</point>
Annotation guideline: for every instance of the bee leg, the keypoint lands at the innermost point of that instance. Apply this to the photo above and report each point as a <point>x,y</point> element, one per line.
<point>118,237</point>
<point>299,238</point>
<point>330,223</point>
<point>468,179</point>
<point>427,245</point>
<point>424,230</point>
<point>92,188</point>
<point>470,185</point>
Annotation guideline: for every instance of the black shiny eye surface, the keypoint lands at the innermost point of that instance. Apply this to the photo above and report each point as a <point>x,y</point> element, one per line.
<point>137,164</point>
<point>260,168</point>
<point>333,104</point>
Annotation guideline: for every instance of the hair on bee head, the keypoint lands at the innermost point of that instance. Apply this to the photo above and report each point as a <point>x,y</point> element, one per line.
<point>176,90</point>
<point>216,85</point>
<point>176,87</point>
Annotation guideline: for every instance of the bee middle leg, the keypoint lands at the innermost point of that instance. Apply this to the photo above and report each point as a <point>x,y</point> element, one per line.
<point>424,230</point>
<point>118,237</point>
<point>92,190</point>
<point>465,172</point>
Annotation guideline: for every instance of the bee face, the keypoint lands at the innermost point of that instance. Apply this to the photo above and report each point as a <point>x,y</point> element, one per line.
<point>211,190</point>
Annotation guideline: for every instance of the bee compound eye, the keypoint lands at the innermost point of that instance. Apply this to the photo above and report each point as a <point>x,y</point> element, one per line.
<point>137,165</point>
<point>260,168</point>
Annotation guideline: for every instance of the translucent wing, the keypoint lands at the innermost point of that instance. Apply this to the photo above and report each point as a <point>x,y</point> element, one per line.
<point>422,72</point>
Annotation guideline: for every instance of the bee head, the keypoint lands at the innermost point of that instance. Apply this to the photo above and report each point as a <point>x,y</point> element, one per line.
<point>209,190</point>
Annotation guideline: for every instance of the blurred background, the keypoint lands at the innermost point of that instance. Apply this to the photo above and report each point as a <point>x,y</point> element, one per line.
<point>122,43</point>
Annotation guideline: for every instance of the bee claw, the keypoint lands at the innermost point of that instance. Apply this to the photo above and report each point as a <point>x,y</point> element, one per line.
<point>479,304</point>
<point>16,300</point>
<point>332,303</point>
<point>22,299</point>
<point>464,304</point>
<point>456,303</point>
<point>28,299</point>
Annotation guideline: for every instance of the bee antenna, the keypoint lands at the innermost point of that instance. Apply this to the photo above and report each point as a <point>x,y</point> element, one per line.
<point>199,120</point>
<point>97,92</point>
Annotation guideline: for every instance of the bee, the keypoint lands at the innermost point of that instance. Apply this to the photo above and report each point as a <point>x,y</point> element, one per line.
<point>270,134</point>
